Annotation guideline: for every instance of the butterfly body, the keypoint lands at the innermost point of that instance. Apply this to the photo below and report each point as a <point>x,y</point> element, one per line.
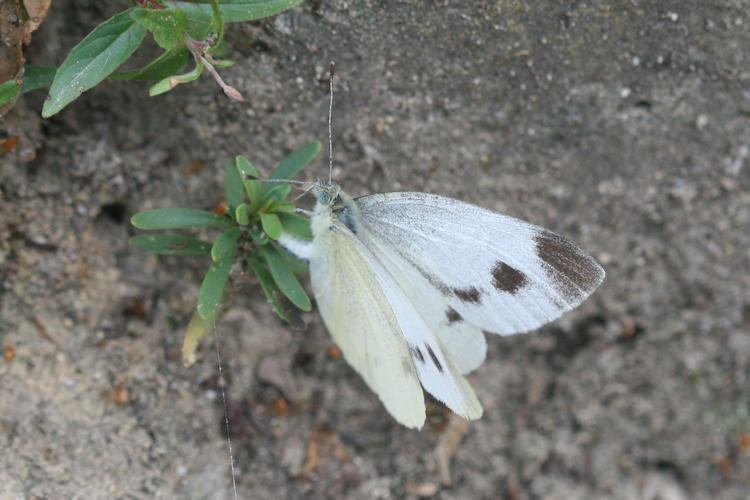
<point>406,284</point>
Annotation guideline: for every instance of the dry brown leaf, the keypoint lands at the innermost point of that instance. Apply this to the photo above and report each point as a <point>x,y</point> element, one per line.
<point>37,11</point>
<point>447,445</point>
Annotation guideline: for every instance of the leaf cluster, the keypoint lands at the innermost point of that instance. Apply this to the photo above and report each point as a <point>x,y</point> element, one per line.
<point>181,28</point>
<point>257,212</point>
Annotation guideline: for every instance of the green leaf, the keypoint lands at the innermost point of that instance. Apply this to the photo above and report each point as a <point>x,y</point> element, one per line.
<point>242,214</point>
<point>36,77</point>
<point>291,261</point>
<point>217,21</point>
<point>276,192</point>
<point>284,278</point>
<point>244,167</point>
<point>296,225</point>
<point>222,63</point>
<point>171,82</point>
<point>168,63</point>
<point>232,10</point>
<point>171,244</point>
<point>8,91</point>
<point>197,329</point>
<point>167,25</point>
<point>225,246</point>
<point>233,190</point>
<point>93,59</point>
<point>259,236</point>
<point>271,225</point>
<point>174,218</point>
<point>267,284</point>
<point>212,288</point>
<point>296,161</point>
<point>253,188</point>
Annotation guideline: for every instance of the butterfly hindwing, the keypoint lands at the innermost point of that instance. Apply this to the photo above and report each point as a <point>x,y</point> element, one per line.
<point>464,341</point>
<point>435,368</point>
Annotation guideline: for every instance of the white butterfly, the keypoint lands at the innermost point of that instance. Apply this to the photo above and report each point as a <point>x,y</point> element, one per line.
<point>407,282</point>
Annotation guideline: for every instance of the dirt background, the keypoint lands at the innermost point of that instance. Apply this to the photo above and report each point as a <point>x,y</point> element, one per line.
<point>624,125</point>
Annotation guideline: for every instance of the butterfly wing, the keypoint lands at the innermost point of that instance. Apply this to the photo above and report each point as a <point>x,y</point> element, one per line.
<point>356,314</point>
<point>498,273</point>
<point>464,341</point>
<point>380,332</point>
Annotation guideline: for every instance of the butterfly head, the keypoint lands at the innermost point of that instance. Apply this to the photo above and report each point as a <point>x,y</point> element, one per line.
<point>333,203</point>
<point>326,193</point>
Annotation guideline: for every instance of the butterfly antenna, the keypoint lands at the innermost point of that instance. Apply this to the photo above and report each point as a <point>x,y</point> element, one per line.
<point>303,193</point>
<point>331,67</point>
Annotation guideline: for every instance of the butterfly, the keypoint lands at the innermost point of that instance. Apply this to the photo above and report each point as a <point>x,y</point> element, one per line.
<point>407,284</point>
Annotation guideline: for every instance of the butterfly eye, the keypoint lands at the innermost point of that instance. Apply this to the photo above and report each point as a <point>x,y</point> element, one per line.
<point>324,198</point>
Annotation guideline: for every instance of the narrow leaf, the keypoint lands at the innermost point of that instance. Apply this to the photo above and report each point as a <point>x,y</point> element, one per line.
<point>276,192</point>
<point>259,236</point>
<point>93,59</point>
<point>174,218</point>
<point>244,167</point>
<point>225,246</point>
<point>295,265</point>
<point>171,82</point>
<point>36,77</point>
<point>233,190</point>
<point>284,278</point>
<point>242,214</point>
<point>271,225</point>
<point>267,284</point>
<point>171,244</point>
<point>253,188</point>
<point>296,161</point>
<point>168,63</point>
<point>233,10</point>
<point>212,288</point>
<point>198,328</point>
<point>295,224</point>
<point>8,91</point>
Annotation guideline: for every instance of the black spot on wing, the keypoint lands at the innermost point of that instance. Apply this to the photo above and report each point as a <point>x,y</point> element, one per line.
<point>416,353</point>
<point>573,272</point>
<point>434,358</point>
<point>508,279</point>
<point>452,315</point>
<point>471,294</point>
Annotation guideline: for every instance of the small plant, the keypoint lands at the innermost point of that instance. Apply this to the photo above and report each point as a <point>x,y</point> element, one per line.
<point>256,214</point>
<point>182,28</point>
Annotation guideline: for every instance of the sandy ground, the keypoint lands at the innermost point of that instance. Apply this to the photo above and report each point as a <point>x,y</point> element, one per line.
<point>624,125</point>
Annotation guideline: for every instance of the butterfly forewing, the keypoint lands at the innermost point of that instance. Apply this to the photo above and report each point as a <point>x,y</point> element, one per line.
<point>496,272</point>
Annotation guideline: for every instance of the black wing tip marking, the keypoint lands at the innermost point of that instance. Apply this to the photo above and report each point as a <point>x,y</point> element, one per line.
<point>508,279</point>
<point>574,273</point>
